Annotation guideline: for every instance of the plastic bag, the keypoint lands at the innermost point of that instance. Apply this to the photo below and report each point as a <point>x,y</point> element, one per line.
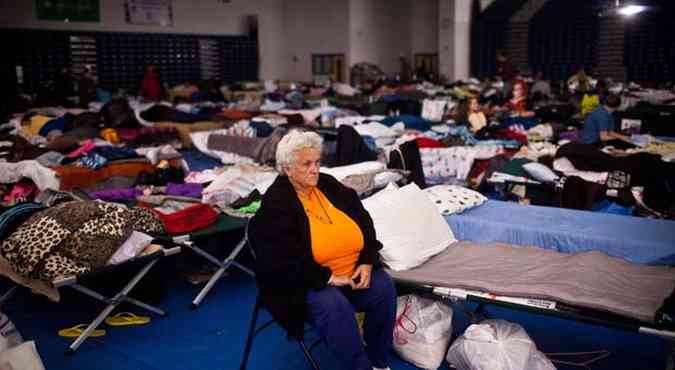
<point>422,331</point>
<point>22,357</point>
<point>496,345</point>
<point>9,336</point>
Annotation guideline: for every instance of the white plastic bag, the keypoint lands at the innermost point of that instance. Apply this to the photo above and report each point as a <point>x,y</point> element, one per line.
<point>9,336</point>
<point>21,357</point>
<point>422,331</point>
<point>496,345</point>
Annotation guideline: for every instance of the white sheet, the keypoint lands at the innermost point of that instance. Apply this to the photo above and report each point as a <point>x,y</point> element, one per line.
<point>237,182</point>
<point>565,166</point>
<point>362,168</point>
<point>43,177</point>
<point>454,161</point>
<point>355,120</point>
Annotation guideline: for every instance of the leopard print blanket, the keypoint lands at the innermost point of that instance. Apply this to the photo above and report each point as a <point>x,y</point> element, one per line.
<point>73,238</point>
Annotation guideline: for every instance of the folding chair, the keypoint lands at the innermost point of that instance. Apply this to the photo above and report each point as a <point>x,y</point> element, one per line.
<point>223,266</point>
<point>123,295</point>
<point>255,330</point>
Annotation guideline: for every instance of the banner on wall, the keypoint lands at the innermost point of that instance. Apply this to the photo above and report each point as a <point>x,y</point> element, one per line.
<point>67,10</point>
<point>149,12</point>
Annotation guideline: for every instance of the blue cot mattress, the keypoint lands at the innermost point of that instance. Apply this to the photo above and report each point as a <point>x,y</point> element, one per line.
<point>635,239</point>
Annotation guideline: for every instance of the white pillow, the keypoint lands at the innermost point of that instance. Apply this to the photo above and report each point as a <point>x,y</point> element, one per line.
<point>540,172</point>
<point>451,199</point>
<point>409,227</point>
<point>131,248</point>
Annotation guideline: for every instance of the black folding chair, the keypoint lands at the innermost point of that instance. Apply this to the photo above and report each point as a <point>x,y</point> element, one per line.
<point>254,329</point>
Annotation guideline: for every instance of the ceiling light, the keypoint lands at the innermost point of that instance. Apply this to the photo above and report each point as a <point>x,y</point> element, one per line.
<point>630,10</point>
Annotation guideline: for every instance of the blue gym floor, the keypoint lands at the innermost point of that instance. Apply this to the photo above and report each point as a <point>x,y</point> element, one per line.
<point>212,336</point>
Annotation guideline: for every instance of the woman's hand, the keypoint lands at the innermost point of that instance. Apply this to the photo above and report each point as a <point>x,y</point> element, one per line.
<point>342,280</point>
<point>362,273</point>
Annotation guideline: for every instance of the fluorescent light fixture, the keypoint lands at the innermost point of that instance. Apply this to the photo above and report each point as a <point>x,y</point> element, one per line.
<point>630,10</point>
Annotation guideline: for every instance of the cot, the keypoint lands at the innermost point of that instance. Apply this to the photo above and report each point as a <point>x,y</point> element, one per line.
<point>222,225</point>
<point>641,240</point>
<point>143,263</point>
<point>587,286</point>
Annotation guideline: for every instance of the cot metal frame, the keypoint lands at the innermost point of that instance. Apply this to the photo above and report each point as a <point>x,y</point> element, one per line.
<point>223,266</point>
<point>538,306</point>
<point>112,302</point>
<point>460,297</point>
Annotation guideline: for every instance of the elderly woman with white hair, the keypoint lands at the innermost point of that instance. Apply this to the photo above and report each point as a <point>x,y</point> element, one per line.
<point>317,258</point>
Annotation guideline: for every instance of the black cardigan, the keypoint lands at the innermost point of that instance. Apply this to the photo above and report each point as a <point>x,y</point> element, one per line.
<point>280,236</point>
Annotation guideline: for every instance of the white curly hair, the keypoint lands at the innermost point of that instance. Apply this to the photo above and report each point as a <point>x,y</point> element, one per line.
<point>292,142</point>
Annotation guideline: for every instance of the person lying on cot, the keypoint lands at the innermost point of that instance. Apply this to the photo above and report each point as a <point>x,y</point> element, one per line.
<point>317,258</point>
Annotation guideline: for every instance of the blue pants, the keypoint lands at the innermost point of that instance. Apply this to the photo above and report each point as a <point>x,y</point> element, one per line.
<point>332,310</point>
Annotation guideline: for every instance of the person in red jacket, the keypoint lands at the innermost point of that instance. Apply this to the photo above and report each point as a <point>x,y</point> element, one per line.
<point>151,85</point>
<point>507,71</point>
<point>518,105</point>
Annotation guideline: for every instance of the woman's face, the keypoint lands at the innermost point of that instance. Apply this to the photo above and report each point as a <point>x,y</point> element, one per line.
<point>518,91</point>
<point>473,106</point>
<point>304,171</point>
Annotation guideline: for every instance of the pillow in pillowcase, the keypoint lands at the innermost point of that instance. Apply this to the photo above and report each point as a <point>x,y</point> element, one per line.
<point>409,226</point>
<point>452,199</point>
<point>540,172</point>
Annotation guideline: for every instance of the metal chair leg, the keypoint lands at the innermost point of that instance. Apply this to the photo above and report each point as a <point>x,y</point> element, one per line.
<point>251,334</point>
<point>308,355</point>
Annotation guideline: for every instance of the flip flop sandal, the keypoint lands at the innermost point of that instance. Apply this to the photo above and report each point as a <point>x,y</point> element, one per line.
<point>77,330</point>
<point>126,319</point>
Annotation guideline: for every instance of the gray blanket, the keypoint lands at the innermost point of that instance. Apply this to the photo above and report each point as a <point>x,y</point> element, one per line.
<point>262,150</point>
<point>588,279</point>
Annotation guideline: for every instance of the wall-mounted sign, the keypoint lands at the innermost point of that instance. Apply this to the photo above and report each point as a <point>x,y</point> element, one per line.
<point>149,12</point>
<point>68,10</point>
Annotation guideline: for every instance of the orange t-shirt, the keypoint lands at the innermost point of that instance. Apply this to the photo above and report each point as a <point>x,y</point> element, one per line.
<point>336,239</point>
